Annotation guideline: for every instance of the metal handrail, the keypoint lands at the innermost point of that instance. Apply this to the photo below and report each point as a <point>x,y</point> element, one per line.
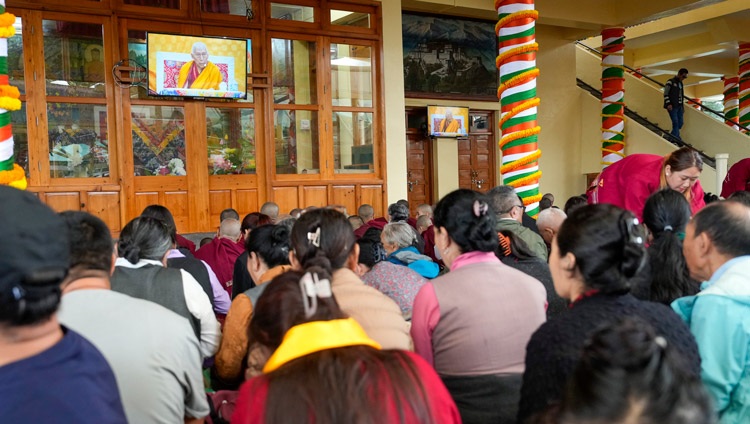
<point>633,71</point>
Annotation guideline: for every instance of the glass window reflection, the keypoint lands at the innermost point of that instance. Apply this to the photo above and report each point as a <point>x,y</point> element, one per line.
<point>352,142</point>
<point>296,142</point>
<point>73,59</point>
<point>78,140</point>
<point>294,72</point>
<point>230,140</point>
<point>158,140</point>
<point>351,75</point>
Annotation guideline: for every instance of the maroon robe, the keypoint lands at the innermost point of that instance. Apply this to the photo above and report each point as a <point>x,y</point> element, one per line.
<point>186,243</point>
<point>221,254</point>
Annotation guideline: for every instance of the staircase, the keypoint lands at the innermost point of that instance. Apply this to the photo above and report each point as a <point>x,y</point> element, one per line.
<point>644,100</point>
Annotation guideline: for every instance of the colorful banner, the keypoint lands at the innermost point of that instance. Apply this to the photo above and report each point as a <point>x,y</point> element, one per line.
<point>516,60</point>
<point>731,100</point>
<point>10,173</point>
<point>744,112</point>
<point>613,96</point>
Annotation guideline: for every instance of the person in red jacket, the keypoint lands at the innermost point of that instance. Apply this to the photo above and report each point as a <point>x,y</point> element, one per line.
<point>629,182</point>
<point>737,179</point>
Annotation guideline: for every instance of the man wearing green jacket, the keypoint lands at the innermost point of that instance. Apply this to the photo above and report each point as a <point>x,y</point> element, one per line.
<point>509,211</point>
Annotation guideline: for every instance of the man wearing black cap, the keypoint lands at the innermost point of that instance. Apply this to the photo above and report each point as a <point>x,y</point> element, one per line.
<point>48,374</point>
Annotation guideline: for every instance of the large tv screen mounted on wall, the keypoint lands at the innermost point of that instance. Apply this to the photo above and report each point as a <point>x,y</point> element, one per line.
<point>447,121</point>
<point>188,66</point>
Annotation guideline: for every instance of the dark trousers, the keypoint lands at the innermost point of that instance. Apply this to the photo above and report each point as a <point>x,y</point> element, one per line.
<point>676,115</point>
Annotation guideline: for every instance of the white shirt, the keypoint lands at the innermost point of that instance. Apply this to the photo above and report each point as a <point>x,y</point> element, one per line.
<point>197,303</point>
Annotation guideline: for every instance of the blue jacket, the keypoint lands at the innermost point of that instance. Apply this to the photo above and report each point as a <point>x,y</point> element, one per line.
<point>410,257</point>
<point>719,318</point>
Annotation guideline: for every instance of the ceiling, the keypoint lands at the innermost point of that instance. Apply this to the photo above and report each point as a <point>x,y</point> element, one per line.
<point>661,36</point>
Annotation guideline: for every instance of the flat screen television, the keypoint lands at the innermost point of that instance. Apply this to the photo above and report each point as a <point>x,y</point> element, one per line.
<point>447,121</point>
<point>189,66</point>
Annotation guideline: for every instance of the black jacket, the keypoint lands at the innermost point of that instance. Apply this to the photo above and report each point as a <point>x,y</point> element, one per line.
<point>673,93</point>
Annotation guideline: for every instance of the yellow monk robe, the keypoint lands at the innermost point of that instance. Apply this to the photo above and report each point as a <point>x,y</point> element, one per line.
<point>446,127</point>
<point>209,78</point>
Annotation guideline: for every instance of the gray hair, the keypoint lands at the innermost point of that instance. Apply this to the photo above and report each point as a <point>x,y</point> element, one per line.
<point>271,209</point>
<point>550,218</point>
<point>502,199</point>
<point>199,45</point>
<point>399,233</point>
<point>366,211</point>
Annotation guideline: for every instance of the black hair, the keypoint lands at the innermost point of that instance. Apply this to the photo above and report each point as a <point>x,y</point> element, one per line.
<point>91,243</point>
<point>144,238</point>
<point>666,214</point>
<point>468,219</point>
<point>254,220</point>
<point>741,197</point>
<point>629,374</point>
<point>270,243</point>
<point>727,224</point>
<point>371,250</point>
<point>545,203</point>
<point>398,212</point>
<point>162,213</point>
<point>607,243</point>
<point>574,203</point>
<point>335,237</point>
<point>518,248</point>
<point>682,71</point>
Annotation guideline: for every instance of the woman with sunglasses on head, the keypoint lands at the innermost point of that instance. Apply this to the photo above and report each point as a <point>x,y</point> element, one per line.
<point>472,324</point>
<point>595,255</point>
<point>324,368</point>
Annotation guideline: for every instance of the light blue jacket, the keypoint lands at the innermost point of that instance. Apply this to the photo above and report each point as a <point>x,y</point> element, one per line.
<point>719,318</point>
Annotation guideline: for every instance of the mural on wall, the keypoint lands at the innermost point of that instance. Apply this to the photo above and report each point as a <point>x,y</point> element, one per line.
<point>449,57</point>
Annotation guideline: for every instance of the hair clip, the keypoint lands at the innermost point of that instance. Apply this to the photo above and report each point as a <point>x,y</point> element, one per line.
<point>630,229</point>
<point>313,288</point>
<point>480,208</point>
<point>314,237</point>
<point>667,228</point>
<point>18,293</point>
<point>504,244</point>
<point>661,342</point>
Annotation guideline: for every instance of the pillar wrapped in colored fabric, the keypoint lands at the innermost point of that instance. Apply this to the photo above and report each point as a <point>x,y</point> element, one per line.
<point>613,96</point>
<point>744,112</point>
<point>731,100</point>
<point>10,173</point>
<point>516,60</point>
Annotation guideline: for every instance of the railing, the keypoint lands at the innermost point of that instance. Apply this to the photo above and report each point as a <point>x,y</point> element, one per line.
<point>690,100</point>
<point>634,116</point>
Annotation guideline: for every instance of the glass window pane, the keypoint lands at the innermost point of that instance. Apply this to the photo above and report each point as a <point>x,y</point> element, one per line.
<point>78,140</point>
<point>164,4</point>
<point>348,18</point>
<point>15,58</point>
<point>137,52</point>
<point>228,7</point>
<point>352,142</point>
<point>20,138</point>
<point>292,12</point>
<point>294,74</point>
<point>230,140</point>
<point>158,140</point>
<point>296,141</point>
<point>73,59</point>
<point>351,75</point>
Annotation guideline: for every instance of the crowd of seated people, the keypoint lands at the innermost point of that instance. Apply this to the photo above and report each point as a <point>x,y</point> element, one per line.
<point>466,311</point>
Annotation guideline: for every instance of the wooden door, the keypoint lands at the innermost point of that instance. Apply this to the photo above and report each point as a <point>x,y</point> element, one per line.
<point>419,163</point>
<point>476,153</point>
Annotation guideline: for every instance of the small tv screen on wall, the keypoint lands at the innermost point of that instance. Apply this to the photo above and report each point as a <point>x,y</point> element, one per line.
<point>447,121</point>
<point>188,66</point>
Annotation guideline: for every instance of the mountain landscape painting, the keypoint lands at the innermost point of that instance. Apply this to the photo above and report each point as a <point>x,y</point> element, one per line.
<point>449,57</point>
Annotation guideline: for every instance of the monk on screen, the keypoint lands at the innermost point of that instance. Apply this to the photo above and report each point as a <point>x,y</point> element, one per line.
<point>448,124</point>
<point>199,73</point>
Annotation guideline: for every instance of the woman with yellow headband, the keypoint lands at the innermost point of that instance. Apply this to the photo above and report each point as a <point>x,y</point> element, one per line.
<point>324,367</point>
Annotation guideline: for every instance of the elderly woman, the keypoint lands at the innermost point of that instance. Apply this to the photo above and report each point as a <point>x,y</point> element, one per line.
<point>141,272</point>
<point>399,240</point>
<point>473,323</point>
<point>595,255</point>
